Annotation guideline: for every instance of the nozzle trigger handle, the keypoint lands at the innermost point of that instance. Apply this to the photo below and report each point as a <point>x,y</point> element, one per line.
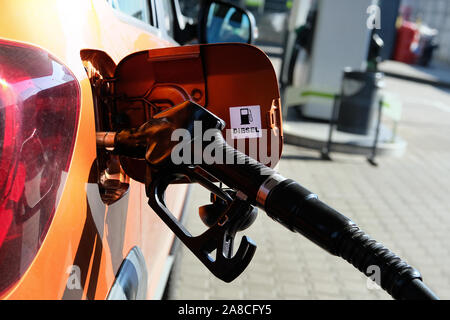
<point>219,237</point>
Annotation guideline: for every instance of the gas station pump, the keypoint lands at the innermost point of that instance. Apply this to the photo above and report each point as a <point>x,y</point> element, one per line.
<point>331,36</point>
<point>326,40</point>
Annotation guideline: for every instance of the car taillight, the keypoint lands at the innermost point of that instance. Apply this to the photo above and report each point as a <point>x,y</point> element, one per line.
<point>39,109</point>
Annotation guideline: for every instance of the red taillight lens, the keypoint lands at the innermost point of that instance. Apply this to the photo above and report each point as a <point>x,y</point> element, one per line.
<point>39,107</point>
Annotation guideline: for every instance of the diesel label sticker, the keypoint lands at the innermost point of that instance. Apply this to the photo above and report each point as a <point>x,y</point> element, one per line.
<point>245,122</point>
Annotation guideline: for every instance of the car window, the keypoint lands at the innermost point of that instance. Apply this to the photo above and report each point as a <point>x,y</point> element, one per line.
<point>138,9</point>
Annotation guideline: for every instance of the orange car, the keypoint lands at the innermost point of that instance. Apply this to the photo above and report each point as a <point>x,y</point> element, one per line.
<point>73,224</point>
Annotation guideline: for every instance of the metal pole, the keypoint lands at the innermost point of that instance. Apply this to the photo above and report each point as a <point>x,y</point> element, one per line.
<point>371,159</point>
<point>325,153</point>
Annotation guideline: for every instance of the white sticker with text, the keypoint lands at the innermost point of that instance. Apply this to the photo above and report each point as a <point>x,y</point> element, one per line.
<point>245,122</point>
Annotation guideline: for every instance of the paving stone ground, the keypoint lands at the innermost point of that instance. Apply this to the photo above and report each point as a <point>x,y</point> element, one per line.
<point>403,203</point>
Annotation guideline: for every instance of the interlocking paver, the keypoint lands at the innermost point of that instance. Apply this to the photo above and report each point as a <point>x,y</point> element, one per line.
<point>404,203</point>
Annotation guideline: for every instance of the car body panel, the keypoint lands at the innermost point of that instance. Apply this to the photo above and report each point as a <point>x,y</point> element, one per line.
<point>88,240</point>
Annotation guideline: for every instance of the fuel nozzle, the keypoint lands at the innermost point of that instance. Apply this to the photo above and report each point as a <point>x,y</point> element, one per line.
<point>253,184</point>
<point>153,140</point>
<point>225,216</point>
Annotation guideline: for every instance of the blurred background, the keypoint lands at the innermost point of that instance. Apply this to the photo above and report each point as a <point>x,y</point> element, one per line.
<point>365,89</point>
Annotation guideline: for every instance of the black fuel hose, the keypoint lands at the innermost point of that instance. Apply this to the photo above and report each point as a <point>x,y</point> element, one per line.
<point>299,210</point>
<point>284,200</point>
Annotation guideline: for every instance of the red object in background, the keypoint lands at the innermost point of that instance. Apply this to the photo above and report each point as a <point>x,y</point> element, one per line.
<point>407,42</point>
